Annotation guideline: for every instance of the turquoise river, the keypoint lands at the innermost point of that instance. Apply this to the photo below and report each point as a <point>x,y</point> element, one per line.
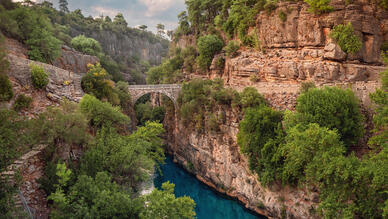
<point>209,203</point>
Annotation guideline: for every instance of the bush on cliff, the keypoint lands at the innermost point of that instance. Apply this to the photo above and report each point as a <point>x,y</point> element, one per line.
<point>208,46</point>
<point>232,48</point>
<point>333,108</point>
<point>259,136</point>
<point>319,6</point>
<point>39,77</point>
<point>102,113</point>
<point>346,38</point>
<point>6,92</point>
<point>33,28</point>
<point>22,102</point>
<point>86,45</point>
<point>97,83</point>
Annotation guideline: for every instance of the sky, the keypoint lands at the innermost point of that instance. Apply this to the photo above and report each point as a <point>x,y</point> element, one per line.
<point>136,12</point>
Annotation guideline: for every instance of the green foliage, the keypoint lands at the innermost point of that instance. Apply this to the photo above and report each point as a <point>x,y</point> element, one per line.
<point>39,77</point>
<point>129,159</point>
<point>7,205</point>
<point>86,45</point>
<point>4,63</point>
<point>97,82</point>
<point>103,114</point>
<point>232,48</point>
<point>6,92</point>
<point>14,138</point>
<point>305,144</point>
<point>282,16</point>
<point>319,6</point>
<point>33,28</point>
<point>208,46</point>
<point>251,98</point>
<point>22,102</point>
<point>96,197</point>
<point>306,86</point>
<point>163,204</point>
<point>259,136</point>
<point>145,112</point>
<point>199,97</point>
<point>346,38</point>
<point>333,108</point>
<point>220,63</point>
<point>380,118</point>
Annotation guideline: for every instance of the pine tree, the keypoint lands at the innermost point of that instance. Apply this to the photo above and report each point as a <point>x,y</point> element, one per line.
<point>63,6</point>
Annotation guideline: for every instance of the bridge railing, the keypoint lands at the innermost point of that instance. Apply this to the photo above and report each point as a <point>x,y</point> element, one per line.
<point>156,86</point>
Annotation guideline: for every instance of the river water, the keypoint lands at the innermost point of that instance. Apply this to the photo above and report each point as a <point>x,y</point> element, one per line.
<point>209,204</point>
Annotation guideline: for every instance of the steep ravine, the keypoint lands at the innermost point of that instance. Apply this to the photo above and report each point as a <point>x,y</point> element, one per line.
<point>216,160</point>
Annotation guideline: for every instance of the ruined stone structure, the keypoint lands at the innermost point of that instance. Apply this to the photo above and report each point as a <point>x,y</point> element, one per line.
<point>170,90</point>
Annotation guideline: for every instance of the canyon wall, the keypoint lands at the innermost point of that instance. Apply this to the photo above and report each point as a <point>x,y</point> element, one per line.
<point>300,49</point>
<point>296,50</point>
<point>215,158</point>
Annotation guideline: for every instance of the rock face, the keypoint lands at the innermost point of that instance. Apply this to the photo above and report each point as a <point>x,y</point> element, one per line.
<point>216,160</point>
<point>74,61</point>
<point>300,49</point>
<point>127,45</point>
<point>62,84</point>
<point>294,51</point>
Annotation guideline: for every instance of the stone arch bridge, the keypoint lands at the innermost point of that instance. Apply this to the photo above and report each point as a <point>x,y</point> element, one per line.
<point>170,90</point>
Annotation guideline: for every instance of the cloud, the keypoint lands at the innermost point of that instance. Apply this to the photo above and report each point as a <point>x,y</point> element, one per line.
<point>157,6</point>
<point>104,11</point>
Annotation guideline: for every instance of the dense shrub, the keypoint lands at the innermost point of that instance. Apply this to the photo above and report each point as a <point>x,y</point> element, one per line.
<point>128,159</point>
<point>62,127</point>
<point>208,46</point>
<point>33,28</point>
<point>305,86</point>
<point>14,137</point>
<point>282,16</point>
<point>303,145</point>
<point>102,114</point>
<point>259,137</point>
<point>333,108</point>
<point>6,92</point>
<point>199,97</point>
<point>249,97</point>
<point>220,63</point>
<point>164,204</point>
<point>189,54</point>
<point>319,6</point>
<point>346,38</point>
<point>98,197</point>
<point>39,77</point>
<point>232,48</point>
<point>97,82</point>
<point>86,45</point>
<point>4,63</point>
<point>22,102</point>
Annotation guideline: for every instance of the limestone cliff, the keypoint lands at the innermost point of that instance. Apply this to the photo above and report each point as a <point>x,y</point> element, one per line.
<point>292,51</point>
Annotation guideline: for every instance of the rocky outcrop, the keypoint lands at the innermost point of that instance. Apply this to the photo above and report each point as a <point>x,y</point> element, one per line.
<point>70,59</point>
<point>74,61</point>
<point>62,84</point>
<point>127,45</point>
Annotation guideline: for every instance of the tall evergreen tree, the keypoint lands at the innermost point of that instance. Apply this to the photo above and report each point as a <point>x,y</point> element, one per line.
<point>63,6</point>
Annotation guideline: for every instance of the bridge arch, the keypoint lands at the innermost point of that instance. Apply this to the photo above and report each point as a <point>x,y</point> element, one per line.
<point>170,90</point>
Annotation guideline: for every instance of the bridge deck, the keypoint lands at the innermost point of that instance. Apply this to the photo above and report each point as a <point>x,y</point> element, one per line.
<point>156,86</point>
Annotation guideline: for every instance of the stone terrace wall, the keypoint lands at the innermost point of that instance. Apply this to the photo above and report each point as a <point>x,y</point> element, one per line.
<point>62,84</point>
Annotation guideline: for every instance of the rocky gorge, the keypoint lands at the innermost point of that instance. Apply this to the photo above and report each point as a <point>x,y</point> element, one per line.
<point>292,51</point>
